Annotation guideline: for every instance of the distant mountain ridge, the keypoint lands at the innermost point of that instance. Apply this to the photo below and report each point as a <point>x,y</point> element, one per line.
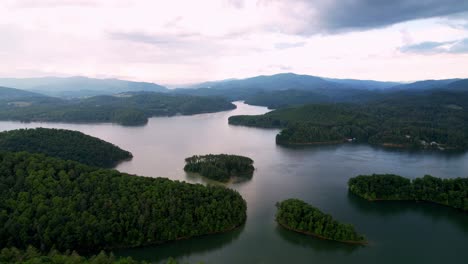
<point>7,93</point>
<point>232,89</point>
<point>425,84</point>
<point>79,86</point>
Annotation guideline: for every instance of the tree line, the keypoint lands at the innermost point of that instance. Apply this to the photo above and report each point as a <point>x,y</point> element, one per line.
<point>52,203</point>
<point>64,144</point>
<point>125,109</point>
<point>448,192</point>
<point>437,120</point>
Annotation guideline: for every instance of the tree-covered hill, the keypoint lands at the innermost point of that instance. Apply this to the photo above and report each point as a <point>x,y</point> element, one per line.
<point>64,144</point>
<point>220,167</point>
<point>448,192</point>
<point>12,94</point>
<point>124,109</point>
<point>437,120</point>
<point>51,203</point>
<point>301,217</point>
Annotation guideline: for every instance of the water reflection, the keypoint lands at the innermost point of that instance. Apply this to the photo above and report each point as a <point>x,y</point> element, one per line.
<point>191,177</point>
<point>183,248</point>
<point>314,243</point>
<point>432,211</point>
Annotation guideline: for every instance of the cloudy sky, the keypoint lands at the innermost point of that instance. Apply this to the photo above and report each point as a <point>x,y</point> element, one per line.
<point>177,42</point>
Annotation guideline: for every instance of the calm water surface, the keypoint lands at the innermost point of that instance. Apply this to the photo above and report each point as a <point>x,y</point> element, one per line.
<point>398,232</point>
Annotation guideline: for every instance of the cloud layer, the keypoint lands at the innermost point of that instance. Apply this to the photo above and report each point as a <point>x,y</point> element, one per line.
<point>182,41</point>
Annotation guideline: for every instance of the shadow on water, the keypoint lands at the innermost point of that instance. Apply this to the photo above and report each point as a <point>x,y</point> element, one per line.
<point>196,177</point>
<point>432,152</point>
<point>182,248</point>
<point>389,208</point>
<point>408,151</point>
<point>317,147</point>
<point>317,244</point>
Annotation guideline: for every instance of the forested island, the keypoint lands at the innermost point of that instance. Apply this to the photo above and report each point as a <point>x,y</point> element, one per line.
<point>126,109</point>
<point>221,167</point>
<point>64,144</point>
<point>49,203</point>
<point>389,187</point>
<point>437,120</point>
<point>298,216</point>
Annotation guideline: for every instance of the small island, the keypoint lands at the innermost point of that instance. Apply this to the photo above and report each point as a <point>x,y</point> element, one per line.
<point>377,187</point>
<point>64,144</point>
<point>221,167</point>
<point>298,216</point>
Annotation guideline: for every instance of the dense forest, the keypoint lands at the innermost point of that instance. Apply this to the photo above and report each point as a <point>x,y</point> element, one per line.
<point>301,217</point>
<point>125,109</point>
<point>50,203</point>
<point>32,256</point>
<point>448,192</point>
<point>436,120</point>
<point>221,167</point>
<point>64,144</point>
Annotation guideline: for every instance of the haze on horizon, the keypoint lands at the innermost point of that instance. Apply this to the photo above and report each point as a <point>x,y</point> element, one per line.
<point>188,41</point>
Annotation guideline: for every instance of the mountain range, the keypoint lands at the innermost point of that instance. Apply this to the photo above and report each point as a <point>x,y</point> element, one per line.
<point>232,89</point>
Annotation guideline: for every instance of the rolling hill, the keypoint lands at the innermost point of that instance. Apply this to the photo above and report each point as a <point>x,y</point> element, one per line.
<point>12,94</point>
<point>72,87</point>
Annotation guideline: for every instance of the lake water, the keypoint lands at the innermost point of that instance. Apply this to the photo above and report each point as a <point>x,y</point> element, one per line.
<point>398,232</point>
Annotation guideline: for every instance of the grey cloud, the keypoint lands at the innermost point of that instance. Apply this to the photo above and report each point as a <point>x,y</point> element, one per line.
<point>285,45</point>
<point>460,46</point>
<point>236,3</point>
<point>431,47</point>
<point>334,16</point>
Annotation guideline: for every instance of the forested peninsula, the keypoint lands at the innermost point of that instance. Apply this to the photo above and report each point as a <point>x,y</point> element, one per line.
<point>50,203</point>
<point>298,216</point>
<point>389,187</point>
<point>221,167</point>
<point>133,108</point>
<point>437,121</point>
<point>64,144</point>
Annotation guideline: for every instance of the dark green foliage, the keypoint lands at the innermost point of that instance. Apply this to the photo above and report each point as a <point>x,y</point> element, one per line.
<point>220,167</point>
<point>64,144</point>
<point>279,99</point>
<point>449,192</point>
<point>305,133</point>
<point>438,120</point>
<point>33,256</point>
<point>52,203</point>
<point>124,109</point>
<point>301,217</point>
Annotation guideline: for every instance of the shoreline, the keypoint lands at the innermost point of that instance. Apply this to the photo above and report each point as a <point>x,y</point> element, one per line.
<point>156,243</point>
<point>408,200</point>
<point>362,243</point>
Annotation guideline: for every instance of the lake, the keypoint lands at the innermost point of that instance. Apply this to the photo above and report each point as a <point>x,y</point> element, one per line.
<point>398,232</point>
